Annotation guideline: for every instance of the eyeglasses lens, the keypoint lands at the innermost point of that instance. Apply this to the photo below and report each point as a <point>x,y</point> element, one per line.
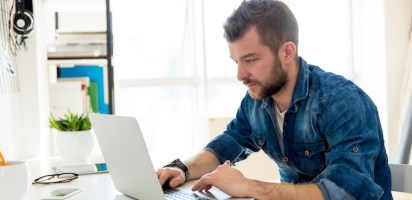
<point>56,178</point>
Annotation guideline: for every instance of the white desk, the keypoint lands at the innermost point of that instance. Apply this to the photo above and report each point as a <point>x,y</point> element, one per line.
<point>100,186</point>
<point>93,186</point>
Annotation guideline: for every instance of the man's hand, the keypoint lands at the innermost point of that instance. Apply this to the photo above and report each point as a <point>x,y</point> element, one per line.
<point>171,175</point>
<point>227,179</point>
<point>232,182</point>
<point>202,163</point>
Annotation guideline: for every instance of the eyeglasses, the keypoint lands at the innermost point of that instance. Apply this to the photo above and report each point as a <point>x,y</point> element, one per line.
<point>56,178</point>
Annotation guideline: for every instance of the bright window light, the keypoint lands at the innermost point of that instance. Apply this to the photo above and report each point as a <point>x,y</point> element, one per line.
<point>174,78</point>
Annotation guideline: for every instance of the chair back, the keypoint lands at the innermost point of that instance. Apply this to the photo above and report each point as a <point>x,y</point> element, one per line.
<point>401,177</point>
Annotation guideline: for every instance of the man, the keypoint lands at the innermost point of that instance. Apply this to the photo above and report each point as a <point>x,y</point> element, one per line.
<point>321,129</point>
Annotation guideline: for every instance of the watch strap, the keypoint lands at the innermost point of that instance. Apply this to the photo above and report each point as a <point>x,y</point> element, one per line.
<point>179,164</point>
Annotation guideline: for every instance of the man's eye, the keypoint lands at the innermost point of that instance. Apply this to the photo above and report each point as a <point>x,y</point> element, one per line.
<point>249,60</point>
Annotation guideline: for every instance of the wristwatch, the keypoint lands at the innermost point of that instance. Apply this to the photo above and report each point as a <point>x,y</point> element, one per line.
<point>179,164</point>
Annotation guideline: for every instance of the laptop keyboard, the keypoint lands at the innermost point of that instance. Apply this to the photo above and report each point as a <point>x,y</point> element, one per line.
<point>182,195</point>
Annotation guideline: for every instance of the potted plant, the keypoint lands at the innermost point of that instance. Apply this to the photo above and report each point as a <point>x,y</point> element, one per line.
<point>74,137</point>
<point>71,122</point>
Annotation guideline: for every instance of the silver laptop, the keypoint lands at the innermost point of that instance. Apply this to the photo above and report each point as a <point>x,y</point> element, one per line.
<point>127,158</point>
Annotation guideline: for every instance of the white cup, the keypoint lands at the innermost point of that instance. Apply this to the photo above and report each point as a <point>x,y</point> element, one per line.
<point>14,180</point>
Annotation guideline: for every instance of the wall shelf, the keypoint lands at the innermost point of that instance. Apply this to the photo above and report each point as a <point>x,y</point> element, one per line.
<point>88,43</point>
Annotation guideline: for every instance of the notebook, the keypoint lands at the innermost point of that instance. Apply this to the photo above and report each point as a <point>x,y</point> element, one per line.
<point>128,160</point>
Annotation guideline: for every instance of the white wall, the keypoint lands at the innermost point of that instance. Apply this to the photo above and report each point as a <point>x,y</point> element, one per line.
<point>24,114</point>
<point>398,25</point>
<point>6,146</point>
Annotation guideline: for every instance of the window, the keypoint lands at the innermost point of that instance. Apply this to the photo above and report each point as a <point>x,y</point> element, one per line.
<point>325,34</point>
<point>156,75</point>
<point>173,71</point>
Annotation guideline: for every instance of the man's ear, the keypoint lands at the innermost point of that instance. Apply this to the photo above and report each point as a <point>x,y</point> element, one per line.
<point>287,52</point>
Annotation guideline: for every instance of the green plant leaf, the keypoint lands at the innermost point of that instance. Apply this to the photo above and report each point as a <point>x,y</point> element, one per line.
<point>70,122</point>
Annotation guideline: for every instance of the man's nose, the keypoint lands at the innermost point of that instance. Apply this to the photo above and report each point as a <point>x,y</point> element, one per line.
<point>241,72</point>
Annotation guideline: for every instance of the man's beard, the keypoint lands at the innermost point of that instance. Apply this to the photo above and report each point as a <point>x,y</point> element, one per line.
<point>276,81</point>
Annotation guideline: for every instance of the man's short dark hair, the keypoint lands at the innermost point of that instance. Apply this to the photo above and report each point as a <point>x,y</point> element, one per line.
<point>274,21</point>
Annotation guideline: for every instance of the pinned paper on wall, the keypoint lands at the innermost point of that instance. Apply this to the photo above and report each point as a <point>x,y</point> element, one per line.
<point>8,73</point>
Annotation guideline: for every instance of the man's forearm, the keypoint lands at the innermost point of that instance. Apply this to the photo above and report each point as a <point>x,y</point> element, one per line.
<point>202,163</point>
<point>264,190</point>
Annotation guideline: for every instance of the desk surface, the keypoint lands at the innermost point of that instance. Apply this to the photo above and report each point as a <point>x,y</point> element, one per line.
<point>100,186</point>
<point>94,186</point>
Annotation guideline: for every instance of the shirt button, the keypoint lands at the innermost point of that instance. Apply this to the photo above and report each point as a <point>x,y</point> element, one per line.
<point>285,159</point>
<point>286,123</point>
<point>307,153</point>
<point>260,142</point>
<point>355,149</point>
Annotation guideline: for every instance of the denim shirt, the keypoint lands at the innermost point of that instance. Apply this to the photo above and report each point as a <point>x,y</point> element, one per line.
<point>332,137</point>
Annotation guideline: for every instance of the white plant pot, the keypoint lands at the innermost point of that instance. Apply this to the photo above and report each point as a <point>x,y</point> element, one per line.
<point>75,146</point>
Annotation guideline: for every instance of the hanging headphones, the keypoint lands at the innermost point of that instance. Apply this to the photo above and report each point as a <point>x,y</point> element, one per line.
<point>23,21</point>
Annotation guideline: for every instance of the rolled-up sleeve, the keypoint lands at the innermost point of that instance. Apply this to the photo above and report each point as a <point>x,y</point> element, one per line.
<point>331,191</point>
<point>224,147</point>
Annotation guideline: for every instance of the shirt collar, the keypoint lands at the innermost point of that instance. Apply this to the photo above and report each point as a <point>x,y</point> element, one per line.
<point>301,90</point>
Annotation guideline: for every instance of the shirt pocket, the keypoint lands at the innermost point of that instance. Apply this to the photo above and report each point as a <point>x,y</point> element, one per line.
<point>258,138</point>
<point>310,157</point>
